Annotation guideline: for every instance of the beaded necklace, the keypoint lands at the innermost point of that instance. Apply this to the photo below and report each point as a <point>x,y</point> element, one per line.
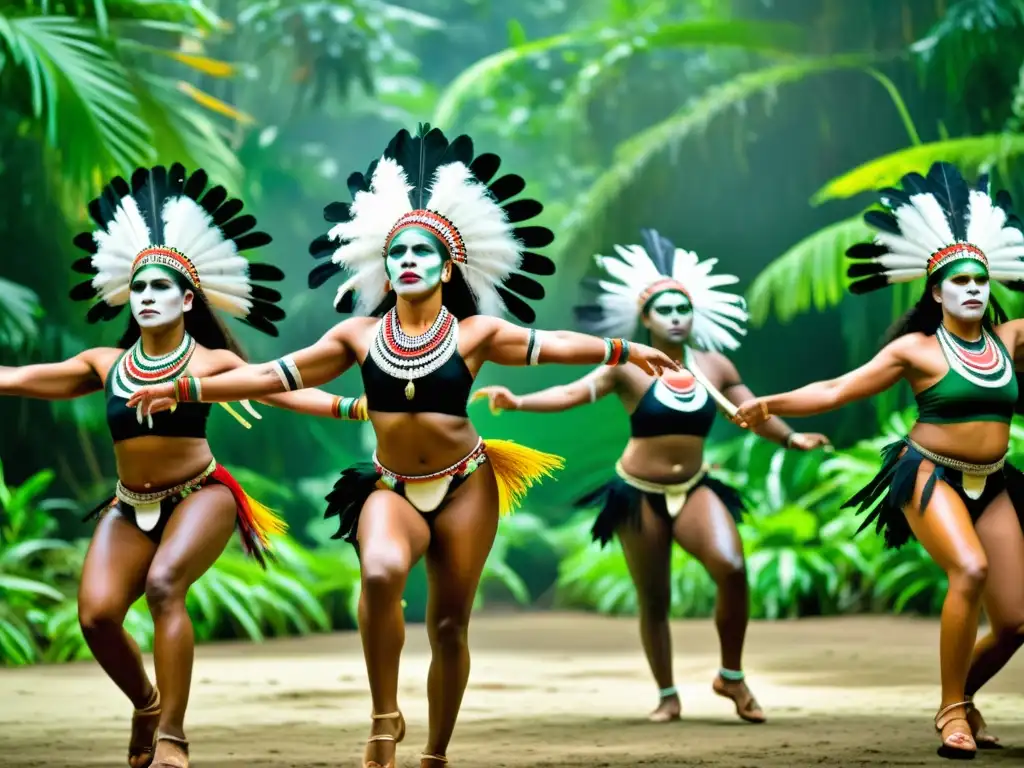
<point>413,357</point>
<point>982,362</point>
<point>135,369</point>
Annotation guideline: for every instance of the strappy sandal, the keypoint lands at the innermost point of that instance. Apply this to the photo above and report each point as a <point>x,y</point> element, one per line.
<point>178,753</point>
<point>749,710</point>
<point>386,737</point>
<point>979,728</point>
<point>952,745</point>
<point>437,758</point>
<point>144,750</point>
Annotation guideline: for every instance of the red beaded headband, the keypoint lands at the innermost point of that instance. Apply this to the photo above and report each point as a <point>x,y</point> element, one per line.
<point>660,286</point>
<point>165,256</point>
<point>437,225</point>
<point>953,252</point>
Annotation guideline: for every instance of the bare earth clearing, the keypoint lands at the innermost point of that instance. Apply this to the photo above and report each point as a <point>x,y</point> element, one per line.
<point>546,690</point>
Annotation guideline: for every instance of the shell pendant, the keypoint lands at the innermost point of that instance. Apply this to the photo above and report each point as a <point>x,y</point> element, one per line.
<point>410,390</point>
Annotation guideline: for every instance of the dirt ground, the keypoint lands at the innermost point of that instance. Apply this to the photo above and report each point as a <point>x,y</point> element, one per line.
<point>545,690</point>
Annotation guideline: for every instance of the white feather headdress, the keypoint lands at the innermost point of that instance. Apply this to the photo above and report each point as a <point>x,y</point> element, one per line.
<point>933,221</point>
<point>639,274</point>
<point>427,182</point>
<point>166,217</point>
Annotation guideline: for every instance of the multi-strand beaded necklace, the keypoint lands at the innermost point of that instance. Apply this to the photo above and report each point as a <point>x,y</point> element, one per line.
<point>413,357</point>
<point>982,362</point>
<point>135,369</point>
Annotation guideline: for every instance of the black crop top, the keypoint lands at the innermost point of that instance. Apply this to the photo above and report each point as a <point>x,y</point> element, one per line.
<point>187,420</point>
<point>445,390</point>
<point>678,406</point>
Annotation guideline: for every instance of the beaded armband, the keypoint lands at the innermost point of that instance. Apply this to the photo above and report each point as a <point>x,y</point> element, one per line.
<point>349,409</point>
<point>187,390</point>
<point>288,372</point>
<point>616,352</point>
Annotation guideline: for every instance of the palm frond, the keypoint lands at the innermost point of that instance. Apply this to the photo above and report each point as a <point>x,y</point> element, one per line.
<point>970,152</point>
<point>633,156</point>
<point>810,274</point>
<point>77,88</point>
<point>19,311</point>
<point>628,42</point>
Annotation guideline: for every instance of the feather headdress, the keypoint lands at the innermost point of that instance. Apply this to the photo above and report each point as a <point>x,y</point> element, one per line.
<point>638,274</point>
<point>428,182</point>
<point>934,221</point>
<point>169,218</point>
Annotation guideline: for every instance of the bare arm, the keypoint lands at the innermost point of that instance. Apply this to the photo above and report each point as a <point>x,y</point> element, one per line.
<point>311,401</point>
<point>52,381</point>
<point>564,397</point>
<point>510,344</point>
<point>877,375</point>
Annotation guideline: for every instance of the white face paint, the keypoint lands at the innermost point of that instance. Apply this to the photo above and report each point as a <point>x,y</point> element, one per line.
<point>415,263</point>
<point>964,294</point>
<point>156,298</point>
<point>670,317</point>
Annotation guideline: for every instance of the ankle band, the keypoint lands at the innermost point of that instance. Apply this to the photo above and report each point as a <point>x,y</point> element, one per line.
<point>732,675</point>
<point>666,692</point>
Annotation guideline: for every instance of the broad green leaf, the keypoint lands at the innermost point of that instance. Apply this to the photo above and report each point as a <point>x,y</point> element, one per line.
<point>970,152</point>
<point>21,585</point>
<point>811,274</point>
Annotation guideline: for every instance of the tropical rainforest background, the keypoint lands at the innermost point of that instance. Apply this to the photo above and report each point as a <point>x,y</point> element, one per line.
<point>752,131</point>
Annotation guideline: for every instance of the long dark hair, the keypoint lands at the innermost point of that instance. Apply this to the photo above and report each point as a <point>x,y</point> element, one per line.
<point>926,316</point>
<point>201,323</point>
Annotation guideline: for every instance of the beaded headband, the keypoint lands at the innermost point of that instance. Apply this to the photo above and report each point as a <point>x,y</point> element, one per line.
<point>165,256</point>
<point>955,252</point>
<point>661,286</point>
<point>439,226</point>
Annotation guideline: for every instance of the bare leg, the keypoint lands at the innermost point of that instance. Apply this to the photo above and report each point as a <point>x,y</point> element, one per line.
<point>463,534</point>
<point>112,580</point>
<point>947,533</point>
<point>392,537</point>
<point>648,551</point>
<point>1000,533</point>
<point>707,531</point>
<point>195,536</point>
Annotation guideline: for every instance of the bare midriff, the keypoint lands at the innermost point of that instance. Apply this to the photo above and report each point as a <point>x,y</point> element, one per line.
<point>665,459</point>
<point>149,464</point>
<point>422,443</point>
<point>976,442</point>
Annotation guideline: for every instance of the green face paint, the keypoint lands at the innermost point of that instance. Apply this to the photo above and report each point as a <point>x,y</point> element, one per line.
<point>670,316</point>
<point>415,261</point>
<point>964,289</point>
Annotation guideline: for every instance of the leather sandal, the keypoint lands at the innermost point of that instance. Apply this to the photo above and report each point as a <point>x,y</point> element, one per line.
<point>437,758</point>
<point>958,745</point>
<point>137,749</point>
<point>175,755</point>
<point>979,728</point>
<point>386,737</point>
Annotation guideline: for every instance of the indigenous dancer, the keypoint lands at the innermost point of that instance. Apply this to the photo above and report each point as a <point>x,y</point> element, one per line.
<point>169,248</point>
<point>947,483</point>
<point>433,244</point>
<point>663,490</point>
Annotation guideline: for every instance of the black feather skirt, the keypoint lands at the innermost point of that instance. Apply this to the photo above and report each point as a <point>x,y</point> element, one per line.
<point>894,486</point>
<point>620,504</point>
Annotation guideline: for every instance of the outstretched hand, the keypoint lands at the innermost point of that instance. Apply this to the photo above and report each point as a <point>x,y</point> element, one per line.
<point>153,399</point>
<point>752,414</point>
<point>651,360</point>
<point>499,399</point>
<point>808,441</point>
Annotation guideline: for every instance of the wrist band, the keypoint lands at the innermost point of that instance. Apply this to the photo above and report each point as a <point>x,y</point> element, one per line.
<point>288,372</point>
<point>616,352</point>
<point>789,440</point>
<point>349,409</point>
<point>592,388</point>
<point>188,390</point>
<point>533,348</point>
